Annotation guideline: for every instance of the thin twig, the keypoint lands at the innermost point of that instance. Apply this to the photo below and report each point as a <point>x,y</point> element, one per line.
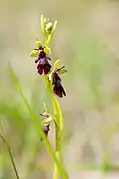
<point>3,137</point>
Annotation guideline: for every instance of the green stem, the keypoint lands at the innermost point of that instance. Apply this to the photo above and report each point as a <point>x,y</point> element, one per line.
<point>58,134</point>
<point>59,125</point>
<point>57,152</point>
<point>3,137</point>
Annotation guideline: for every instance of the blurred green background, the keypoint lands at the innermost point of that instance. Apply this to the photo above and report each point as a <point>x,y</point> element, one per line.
<point>86,40</point>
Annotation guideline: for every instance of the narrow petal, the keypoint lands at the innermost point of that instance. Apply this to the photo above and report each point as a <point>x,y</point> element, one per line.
<point>36,60</point>
<point>48,58</point>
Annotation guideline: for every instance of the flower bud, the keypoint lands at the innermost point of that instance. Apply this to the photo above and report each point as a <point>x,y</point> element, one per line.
<point>49,27</point>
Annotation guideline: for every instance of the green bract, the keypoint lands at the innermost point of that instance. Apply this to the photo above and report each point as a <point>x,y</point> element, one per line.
<point>48,28</point>
<point>51,34</point>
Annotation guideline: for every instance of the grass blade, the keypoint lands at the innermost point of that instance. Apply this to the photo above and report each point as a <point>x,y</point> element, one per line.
<point>3,137</point>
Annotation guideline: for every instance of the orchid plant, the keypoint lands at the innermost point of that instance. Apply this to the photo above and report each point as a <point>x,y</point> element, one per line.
<point>52,79</point>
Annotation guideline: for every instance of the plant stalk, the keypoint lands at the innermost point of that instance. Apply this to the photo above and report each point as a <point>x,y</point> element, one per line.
<point>3,137</point>
<point>57,153</point>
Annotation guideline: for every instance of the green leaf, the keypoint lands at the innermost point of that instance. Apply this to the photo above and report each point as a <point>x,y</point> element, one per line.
<point>34,53</point>
<point>36,122</point>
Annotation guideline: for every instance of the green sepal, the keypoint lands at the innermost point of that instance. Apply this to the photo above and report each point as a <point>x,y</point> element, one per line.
<point>34,53</point>
<point>38,43</point>
<point>56,64</point>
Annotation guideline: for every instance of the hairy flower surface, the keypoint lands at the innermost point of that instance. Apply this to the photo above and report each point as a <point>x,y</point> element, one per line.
<point>43,64</point>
